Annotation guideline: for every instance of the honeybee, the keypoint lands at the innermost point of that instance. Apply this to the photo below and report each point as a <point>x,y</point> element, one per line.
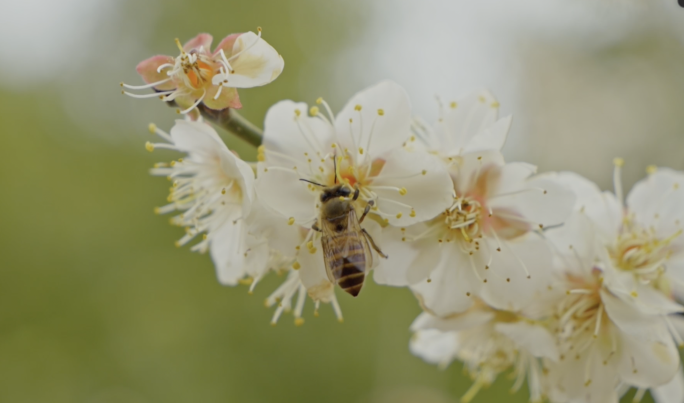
<point>346,246</point>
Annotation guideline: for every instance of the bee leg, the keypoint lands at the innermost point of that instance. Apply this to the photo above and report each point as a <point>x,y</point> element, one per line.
<point>356,193</point>
<point>372,242</point>
<point>366,210</point>
<point>315,227</point>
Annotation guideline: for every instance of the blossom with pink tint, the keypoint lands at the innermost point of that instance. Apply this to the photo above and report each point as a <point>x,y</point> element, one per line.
<point>199,75</point>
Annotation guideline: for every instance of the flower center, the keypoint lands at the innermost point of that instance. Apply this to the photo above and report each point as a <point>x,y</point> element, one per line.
<point>639,251</point>
<point>463,220</point>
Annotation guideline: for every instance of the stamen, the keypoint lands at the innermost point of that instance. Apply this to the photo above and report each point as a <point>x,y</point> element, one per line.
<point>142,87</point>
<point>152,95</point>
<point>248,47</point>
<point>204,93</point>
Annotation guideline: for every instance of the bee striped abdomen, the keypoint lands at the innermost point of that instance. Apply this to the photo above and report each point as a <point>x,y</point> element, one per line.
<point>349,267</point>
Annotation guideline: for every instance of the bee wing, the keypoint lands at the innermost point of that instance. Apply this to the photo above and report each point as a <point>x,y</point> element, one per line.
<point>329,252</point>
<point>337,246</point>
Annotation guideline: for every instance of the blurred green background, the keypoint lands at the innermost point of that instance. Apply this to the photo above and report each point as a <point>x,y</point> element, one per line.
<point>98,306</point>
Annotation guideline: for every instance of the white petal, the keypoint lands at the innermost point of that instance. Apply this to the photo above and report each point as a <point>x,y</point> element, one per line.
<point>430,255</point>
<point>384,132</point>
<point>291,140</point>
<point>196,136</point>
<point>434,346</point>
<point>427,195</point>
<point>394,270</point>
<point>227,248</point>
<point>452,285</point>
<point>630,321</point>
<point>573,244</point>
<point>508,286</point>
<point>258,64</point>
<point>282,192</point>
<point>539,199</point>
<point>272,228</point>
<point>491,138</point>
<point>257,254</point>
<point>671,392</point>
<point>313,276</point>
<point>657,201</point>
<point>534,338</point>
<point>463,120</point>
<point>601,207</point>
<point>467,320</point>
<point>467,168</point>
<point>647,364</point>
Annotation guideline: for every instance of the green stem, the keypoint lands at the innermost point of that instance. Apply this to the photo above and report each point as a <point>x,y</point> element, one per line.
<point>232,121</point>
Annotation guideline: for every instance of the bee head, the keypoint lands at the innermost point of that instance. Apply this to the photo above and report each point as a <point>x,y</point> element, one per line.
<point>335,191</point>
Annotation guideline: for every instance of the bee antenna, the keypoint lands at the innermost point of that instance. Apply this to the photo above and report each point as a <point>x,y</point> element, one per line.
<point>312,182</point>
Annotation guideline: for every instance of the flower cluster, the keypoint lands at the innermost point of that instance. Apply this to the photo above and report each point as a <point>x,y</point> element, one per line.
<point>573,290</point>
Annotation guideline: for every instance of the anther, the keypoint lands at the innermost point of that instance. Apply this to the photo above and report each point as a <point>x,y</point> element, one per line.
<point>296,265</point>
<point>357,108</point>
<point>381,112</point>
<point>424,172</point>
<point>319,100</point>
<point>453,105</point>
<point>413,213</point>
<point>290,221</point>
<point>361,150</point>
<point>618,162</point>
<point>651,169</point>
<point>398,215</point>
<point>299,321</point>
<point>149,146</point>
<point>402,191</point>
<point>313,111</point>
<point>495,104</point>
<point>152,128</point>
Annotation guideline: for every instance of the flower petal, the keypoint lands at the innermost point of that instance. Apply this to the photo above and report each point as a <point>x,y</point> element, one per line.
<point>281,191</point>
<point>292,139</point>
<point>394,271</point>
<point>376,132</point>
<point>671,392</point>
<point>657,201</point>
<point>534,338</point>
<point>228,98</point>
<point>633,322</point>
<point>434,346</point>
<point>467,320</point>
<point>491,138</point>
<point>148,71</point>
<point>647,364</point>
<point>201,40</point>
<point>227,248</point>
<point>452,287</point>
<point>412,187</point>
<point>463,120</point>
<point>227,44</point>
<point>258,64</point>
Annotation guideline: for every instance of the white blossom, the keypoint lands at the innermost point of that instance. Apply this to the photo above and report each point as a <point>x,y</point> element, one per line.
<point>484,244</point>
<point>365,144</point>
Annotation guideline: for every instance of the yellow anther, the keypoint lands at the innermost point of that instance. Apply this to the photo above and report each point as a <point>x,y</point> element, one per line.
<point>341,320</point>
<point>152,128</point>
<point>357,108</point>
<point>319,100</point>
<point>223,191</point>
<point>204,236</point>
<point>313,111</point>
<point>290,221</point>
<point>157,210</point>
<point>246,281</point>
<point>309,245</point>
<point>312,250</point>
<point>402,191</point>
<point>172,163</point>
<point>259,29</point>
<point>618,162</point>
<point>333,145</point>
<point>149,146</point>
<point>413,138</point>
<point>413,213</point>
<point>298,112</point>
<point>177,244</point>
<point>398,215</point>
<point>482,99</point>
<point>634,294</point>
<point>296,265</point>
<point>261,157</point>
<point>360,150</point>
<point>495,104</point>
<point>299,321</point>
<point>453,105</point>
<point>381,112</point>
<point>424,172</point>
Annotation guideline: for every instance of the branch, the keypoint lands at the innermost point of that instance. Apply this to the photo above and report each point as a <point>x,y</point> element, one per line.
<point>232,121</point>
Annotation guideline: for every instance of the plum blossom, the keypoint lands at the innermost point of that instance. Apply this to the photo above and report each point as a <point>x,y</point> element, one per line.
<point>198,75</point>
<point>213,190</point>
<point>485,243</point>
<point>604,340</point>
<point>363,149</point>
<point>489,342</point>
<point>642,240</point>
